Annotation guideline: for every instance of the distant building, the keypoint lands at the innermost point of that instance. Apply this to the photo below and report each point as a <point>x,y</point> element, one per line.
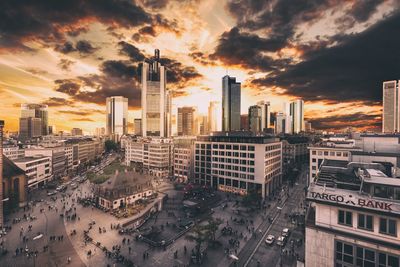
<point>38,111</point>
<point>117,116</point>
<point>244,122</point>
<point>203,124</point>
<point>76,131</point>
<point>255,119</point>
<point>294,151</point>
<point>239,163</point>
<point>391,110</point>
<point>56,155</point>
<point>100,131</point>
<point>124,188</point>
<point>214,116</point>
<point>187,121</point>
<point>307,127</point>
<point>265,114</point>
<point>12,151</point>
<point>30,128</point>
<point>138,126</point>
<point>297,116</point>
<point>156,99</point>
<point>37,169</point>
<point>280,123</point>
<point>231,99</point>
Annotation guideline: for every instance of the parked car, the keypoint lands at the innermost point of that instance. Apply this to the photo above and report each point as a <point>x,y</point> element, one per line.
<point>270,239</point>
<point>286,232</point>
<point>281,241</point>
<point>51,193</point>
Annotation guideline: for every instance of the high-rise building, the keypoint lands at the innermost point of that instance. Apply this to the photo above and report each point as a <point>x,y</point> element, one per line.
<point>36,111</point>
<point>391,100</point>
<point>280,123</point>
<point>117,116</point>
<point>138,126</point>
<point>214,116</point>
<point>187,121</point>
<point>307,126</point>
<point>100,131</point>
<point>255,118</point>
<point>156,99</point>
<point>265,114</point>
<point>1,172</point>
<point>203,124</point>
<point>30,128</point>
<point>297,115</point>
<point>76,131</point>
<point>244,122</point>
<point>230,104</point>
<point>288,127</point>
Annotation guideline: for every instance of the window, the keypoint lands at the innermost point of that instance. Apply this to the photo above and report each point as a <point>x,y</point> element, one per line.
<point>345,218</point>
<point>387,226</point>
<point>386,260</point>
<point>345,154</point>
<point>338,154</point>
<point>251,148</point>
<point>332,154</point>
<point>326,153</point>
<point>314,152</point>
<point>365,222</point>
<point>365,257</point>
<point>314,160</point>
<point>344,253</point>
<point>313,168</point>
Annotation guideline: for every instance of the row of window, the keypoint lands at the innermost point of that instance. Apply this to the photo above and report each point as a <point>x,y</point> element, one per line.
<point>232,167</point>
<point>330,153</point>
<point>366,222</point>
<point>233,154</point>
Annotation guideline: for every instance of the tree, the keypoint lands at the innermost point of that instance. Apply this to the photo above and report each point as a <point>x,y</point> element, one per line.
<point>110,146</point>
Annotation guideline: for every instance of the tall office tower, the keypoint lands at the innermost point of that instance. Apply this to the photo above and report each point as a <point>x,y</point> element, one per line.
<point>244,122</point>
<point>76,131</point>
<point>36,111</point>
<point>288,129</point>
<point>391,100</point>
<point>138,126</point>
<point>156,99</point>
<point>1,173</point>
<point>230,104</point>
<point>214,116</point>
<point>187,121</point>
<point>280,123</point>
<point>265,114</point>
<point>117,116</point>
<point>30,128</point>
<point>297,114</point>
<point>307,126</point>
<point>255,118</point>
<point>203,125</point>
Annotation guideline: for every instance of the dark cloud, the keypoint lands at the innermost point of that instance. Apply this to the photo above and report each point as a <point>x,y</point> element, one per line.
<point>84,112</point>
<point>351,71</point>
<point>178,74</point>
<point>155,4</point>
<point>356,120</point>
<point>65,48</point>
<point>148,30</point>
<point>67,86</point>
<point>83,119</point>
<point>65,64</point>
<point>57,102</point>
<point>118,68</point>
<point>36,71</point>
<point>131,51</point>
<point>85,47</point>
<point>48,21</point>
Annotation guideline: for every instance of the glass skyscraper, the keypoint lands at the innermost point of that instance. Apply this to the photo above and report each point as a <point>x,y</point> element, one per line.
<point>38,111</point>
<point>117,116</point>
<point>230,104</point>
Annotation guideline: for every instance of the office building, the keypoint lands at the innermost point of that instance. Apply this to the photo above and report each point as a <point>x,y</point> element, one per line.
<point>203,124</point>
<point>294,151</point>
<point>56,155</point>
<point>297,116</point>
<point>12,151</point>
<point>184,158</point>
<point>138,126</point>
<point>239,163</point>
<point>354,216</point>
<point>255,119</point>
<point>214,116</point>
<point>265,114</point>
<point>117,117</point>
<point>30,128</point>
<point>100,131</point>
<point>76,131</point>
<point>37,169</point>
<point>154,155</point>
<point>156,99</point>
<point>187,121</point>
<point>288,120</point>
<point>231,94</point>
<point>15,185</point>
<point>280,123</point>
<point>1,173</point>
<point>36,111</point>
<point>244,122</point>
<point>307,127</point>
<point>391,99</point>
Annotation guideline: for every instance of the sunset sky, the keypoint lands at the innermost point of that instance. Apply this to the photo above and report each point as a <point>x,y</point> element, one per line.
<point>72,54</point>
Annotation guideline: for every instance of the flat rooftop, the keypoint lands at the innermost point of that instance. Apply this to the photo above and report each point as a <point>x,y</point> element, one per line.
<point>27,159</point>
<point>380,154</point>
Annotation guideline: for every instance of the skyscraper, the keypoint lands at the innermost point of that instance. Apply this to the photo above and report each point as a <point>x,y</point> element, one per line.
<point>37,111</point>
<point>117,116</point>
<point>265,114</point>
<point>230,104</point>
<point>138,126</point>
<point>187,121</point>
<point>287,120</point>
<point>156,99</point>
<point>30,128</point>
<point>297,114</point>
<point>214,116</point>
<point>203,124</point>
<point>391,100</point>
<point>255,118</point>
<point>280,123</point>
<point>1,173</point>
<point>244,122</point>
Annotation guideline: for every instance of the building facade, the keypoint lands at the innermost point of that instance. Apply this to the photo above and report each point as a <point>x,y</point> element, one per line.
<point>76,131</point>
<point>297,116</point>
<point>231,99</point>
<point>187,121</point>
<point>265,114</point>
<point>38,111</point>
<point>239,163</point>
<point>138,126</point>
<point>37,169</point>
<point>184,158</point>
<point>391,102</point>
<point>117,116</point>
<point>156,99</point>
<point>214,116</point>
<point>57,158</point>
<point>255,119</point>
<point>30,128</point>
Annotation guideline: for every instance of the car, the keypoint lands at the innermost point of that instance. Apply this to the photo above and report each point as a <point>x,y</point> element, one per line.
<point>281,241</point>
<point>51,193</point>
<point>286,232</point>
<point>270,239</point>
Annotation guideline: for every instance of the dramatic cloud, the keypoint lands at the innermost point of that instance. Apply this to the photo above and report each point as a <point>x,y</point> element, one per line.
<point>131,51</point>
<point>57,102</point>
<point>84,47</point>
<point>65,64</point>
<point>357,120</point>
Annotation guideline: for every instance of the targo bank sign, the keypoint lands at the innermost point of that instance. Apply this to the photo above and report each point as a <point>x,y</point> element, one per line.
<point>354,200</point>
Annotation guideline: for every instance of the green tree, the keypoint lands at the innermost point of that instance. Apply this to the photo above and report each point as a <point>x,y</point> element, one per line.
<point>110,146</point>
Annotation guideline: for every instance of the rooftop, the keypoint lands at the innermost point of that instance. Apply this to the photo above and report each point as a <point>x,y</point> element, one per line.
<point>10,169</point>
<point>28,159</point>
<point>238,137</point>
<point>381,154</point>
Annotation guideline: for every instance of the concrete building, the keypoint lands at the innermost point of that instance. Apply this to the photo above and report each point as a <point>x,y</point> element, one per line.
<point>294,151</point>
<point>297,115</point>
<point>15,185</point>
<point>154,155</point>
<point>184,158</point>
<point>214,116</point>
<point>239,163</point>
<point>1,173</point>
<point>265,114</point>
<point>244,122</point>
<point>187,121</point>
<point>101,131</point>
<point>12,151</point>
<point>37,169</point>
<point>30,128</point>
<point>56,155</point>
<point>307,127</point>
<point>156,99</point>
<point>354,216</point>
<point>38,111</point>
<point>203,125</point>
<point>138,126</point>
<point>255,119</point>
<point>116,117</point>
<point>76,131</point>
<point>231,99</point>
<point>391,102</point>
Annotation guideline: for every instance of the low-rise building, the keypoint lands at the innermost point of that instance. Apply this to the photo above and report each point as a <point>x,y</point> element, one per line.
<point>124,188</point>
<point>239,163</point>
<point>37,169</point>
<point>354,216</point>
<point>12,151</point>
<point>294,151</point>
<point>183,158</point>
<point>15,185</point>
<point>56,155</point>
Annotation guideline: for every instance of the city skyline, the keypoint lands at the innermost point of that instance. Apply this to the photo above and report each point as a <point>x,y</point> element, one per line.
<point>75,64</point>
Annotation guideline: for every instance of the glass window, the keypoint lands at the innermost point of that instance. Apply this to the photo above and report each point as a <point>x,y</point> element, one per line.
<point>387,226</point>
<point>326,153</point>
<point>345,218</point>
<point>314,152</point>
<point>344,253</point>
<point>365,222</point>
<point>365,257</point>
